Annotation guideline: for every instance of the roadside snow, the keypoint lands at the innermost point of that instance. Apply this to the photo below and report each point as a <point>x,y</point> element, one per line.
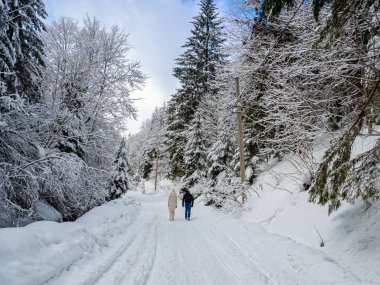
<point>39,252</point>
<point>126,242</point>
<point>351,234</point>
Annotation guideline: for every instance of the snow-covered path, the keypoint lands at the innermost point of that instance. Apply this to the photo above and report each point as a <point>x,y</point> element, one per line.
<point>143,247</point>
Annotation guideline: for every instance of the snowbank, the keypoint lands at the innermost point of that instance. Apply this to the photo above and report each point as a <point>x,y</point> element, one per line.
<point>43,249</point>
<point>351,234</point>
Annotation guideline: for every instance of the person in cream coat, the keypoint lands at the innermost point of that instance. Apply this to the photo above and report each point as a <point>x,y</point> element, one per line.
<point>172,204</point>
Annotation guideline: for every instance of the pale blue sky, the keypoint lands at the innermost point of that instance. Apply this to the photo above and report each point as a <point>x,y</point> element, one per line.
<point>157,29</point>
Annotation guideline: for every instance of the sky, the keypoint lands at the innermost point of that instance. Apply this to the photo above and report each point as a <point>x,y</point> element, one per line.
<point>157,29</point>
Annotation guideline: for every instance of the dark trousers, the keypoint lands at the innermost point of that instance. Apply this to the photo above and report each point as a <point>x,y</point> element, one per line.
<point>187,210</point>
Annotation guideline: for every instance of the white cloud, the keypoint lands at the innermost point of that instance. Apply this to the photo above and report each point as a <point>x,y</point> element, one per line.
<point>157,29</point>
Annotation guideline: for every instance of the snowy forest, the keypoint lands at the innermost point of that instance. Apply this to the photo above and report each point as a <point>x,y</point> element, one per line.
<point>64,94</point>
<point>260,165</point>
<point>309,79</point>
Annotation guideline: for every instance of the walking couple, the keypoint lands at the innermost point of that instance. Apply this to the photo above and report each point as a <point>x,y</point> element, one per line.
<point>187,202</point>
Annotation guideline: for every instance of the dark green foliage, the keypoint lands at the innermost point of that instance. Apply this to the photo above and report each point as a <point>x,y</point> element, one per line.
<point>121,181</point>
<point>146,166</point>
<point>340,178</point>
<point>341,10</point>
<point>196,70</point>
<point>22,48</point>
<point>274,7</point>
<point>73,99</point>
<point>175,139</point>
<point>265,136</point>
<point>349,30</point>
<point>219,157</point>
<point>70,143</point>
<point>195,152</point>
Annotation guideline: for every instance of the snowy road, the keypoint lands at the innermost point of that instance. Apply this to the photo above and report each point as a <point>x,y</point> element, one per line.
<point>143,247</point>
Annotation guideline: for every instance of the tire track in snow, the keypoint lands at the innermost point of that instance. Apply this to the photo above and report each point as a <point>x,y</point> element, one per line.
<point>167,259</point>
<point>89,269</point>
<point>136,262</point>
<point>248,272</point>
<point>207,250</point>
<point>245,259</point>
<point>198,261</point>
<point>186,274</point>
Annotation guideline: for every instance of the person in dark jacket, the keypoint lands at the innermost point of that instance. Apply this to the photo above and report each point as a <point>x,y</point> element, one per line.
<point>187,202</point>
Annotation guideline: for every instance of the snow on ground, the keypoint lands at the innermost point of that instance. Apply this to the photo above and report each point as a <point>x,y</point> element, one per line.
<point>273,240</point>
<point>43,251</point>
<point>131,241</point>
<point>351,234</point>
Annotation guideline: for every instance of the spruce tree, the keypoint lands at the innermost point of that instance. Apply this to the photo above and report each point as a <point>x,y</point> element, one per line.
<point>175,139</point>
<point>146,165</point>
<point>219,156</point>
<point>196,70</point>
<point>21,56</point>
<point>195,152</point>
<point>121,181</point>
<point>154,131</point>
<point>7,58</point>
<point>341,10</point>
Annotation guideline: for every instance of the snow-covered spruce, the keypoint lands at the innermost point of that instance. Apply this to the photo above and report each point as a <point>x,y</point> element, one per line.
<point>120,179</point>
<point>195,153</point>
<point>196,70</point>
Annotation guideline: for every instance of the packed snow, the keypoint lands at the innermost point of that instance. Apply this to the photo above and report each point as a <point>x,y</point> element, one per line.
<point>351,235</point>
<point>131,241</point>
